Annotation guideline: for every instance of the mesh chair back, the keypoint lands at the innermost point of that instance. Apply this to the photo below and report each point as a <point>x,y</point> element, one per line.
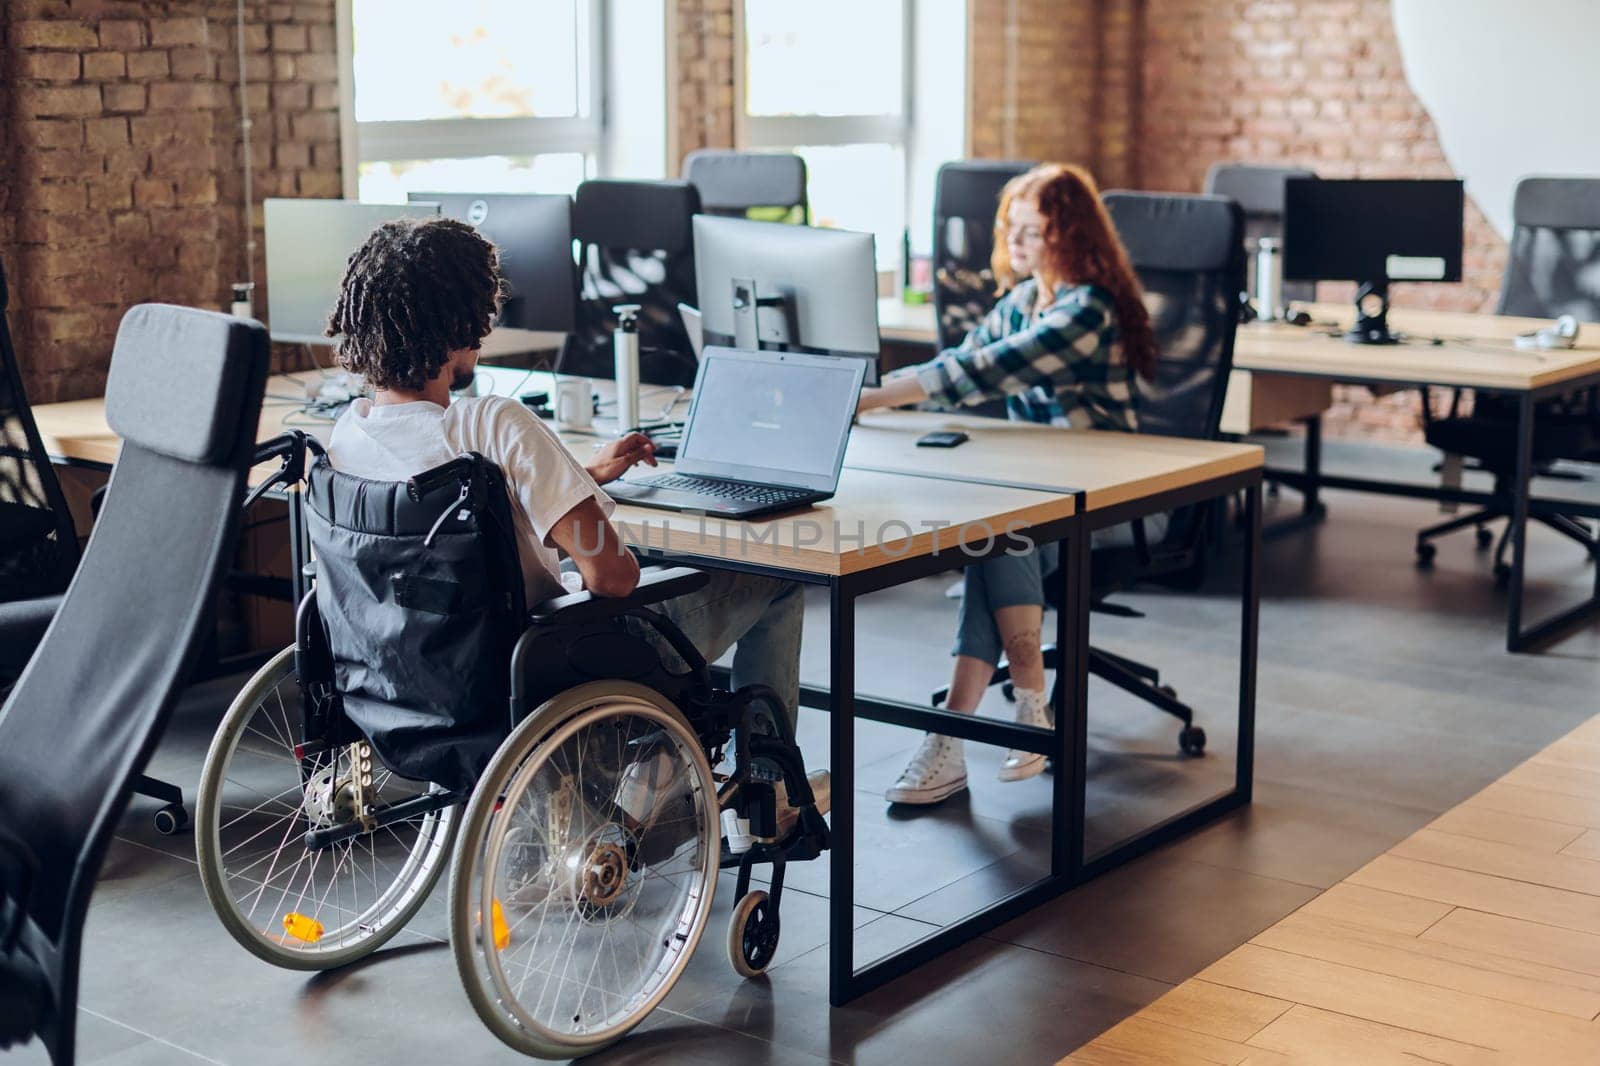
<point>1554,267</point>
<point>38,544</point>
<point>421,601</point>
<point>1189,254</point>
<point>764,186</point>
<point>966,197</point>
<point>637,246</point>
<point>185,397</point>
<point>1259,190</point>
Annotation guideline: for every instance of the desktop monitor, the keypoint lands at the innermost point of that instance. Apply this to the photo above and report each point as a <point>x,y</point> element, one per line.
<point>309,243</point>
<point>534,235</point>
<point>814,290</point>
<point>1372,233</point>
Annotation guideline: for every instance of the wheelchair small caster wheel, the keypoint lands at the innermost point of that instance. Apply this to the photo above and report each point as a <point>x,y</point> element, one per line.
<point>1009,691</point>
<point>171,820</point>
<point>1192,741</point>
<point>1425,554</point>
<point>752,934</point>
<point>1485,538</point>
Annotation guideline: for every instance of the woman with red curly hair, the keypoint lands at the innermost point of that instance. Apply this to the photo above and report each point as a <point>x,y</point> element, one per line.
<point>1066,346</point>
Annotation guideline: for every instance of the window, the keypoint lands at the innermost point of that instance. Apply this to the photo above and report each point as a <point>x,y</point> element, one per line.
<point>475,95</point>
<point>827,80</point>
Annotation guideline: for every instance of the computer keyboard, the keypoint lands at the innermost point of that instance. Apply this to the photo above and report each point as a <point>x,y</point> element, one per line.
<point>725,490</point>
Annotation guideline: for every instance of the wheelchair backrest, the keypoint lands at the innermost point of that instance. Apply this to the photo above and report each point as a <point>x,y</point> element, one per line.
<point>421,599</point>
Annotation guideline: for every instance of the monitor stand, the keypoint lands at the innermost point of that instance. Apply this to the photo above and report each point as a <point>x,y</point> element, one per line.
<point>1372,323</point>
<point>747,317</point>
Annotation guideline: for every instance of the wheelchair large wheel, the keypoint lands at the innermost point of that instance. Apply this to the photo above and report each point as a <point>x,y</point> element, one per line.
<point>294,905</point>
<point>585,873</point>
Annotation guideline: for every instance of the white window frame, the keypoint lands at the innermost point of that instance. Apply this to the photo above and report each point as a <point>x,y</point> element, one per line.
<point>786,132</point>
<point>468,138</point>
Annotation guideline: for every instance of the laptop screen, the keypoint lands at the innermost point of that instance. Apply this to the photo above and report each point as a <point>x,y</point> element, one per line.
<point>777,418</point>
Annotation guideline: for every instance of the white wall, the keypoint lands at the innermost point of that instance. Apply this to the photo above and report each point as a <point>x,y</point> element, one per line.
<point>1511,86</point>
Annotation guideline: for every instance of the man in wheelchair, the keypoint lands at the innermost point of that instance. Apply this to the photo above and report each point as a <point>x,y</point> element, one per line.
<point>417,300</point>
<point>580,734</point>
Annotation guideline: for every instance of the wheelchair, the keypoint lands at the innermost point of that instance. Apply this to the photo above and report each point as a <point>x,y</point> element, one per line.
<point>568,781</point>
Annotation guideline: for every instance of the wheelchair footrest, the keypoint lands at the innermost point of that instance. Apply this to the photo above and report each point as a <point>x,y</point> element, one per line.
<point>397,812</point>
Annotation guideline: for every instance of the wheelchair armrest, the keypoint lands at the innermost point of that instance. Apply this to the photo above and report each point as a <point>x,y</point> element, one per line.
<point>656,584</point>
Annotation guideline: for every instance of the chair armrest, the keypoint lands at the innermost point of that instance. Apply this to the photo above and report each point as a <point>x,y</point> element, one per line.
<point>656,584</point>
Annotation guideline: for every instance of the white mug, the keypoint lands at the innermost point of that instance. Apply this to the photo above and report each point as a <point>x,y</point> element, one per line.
<point>574,403</point>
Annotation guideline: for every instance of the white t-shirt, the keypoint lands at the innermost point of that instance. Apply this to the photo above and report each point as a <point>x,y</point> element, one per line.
<point>391,442</point>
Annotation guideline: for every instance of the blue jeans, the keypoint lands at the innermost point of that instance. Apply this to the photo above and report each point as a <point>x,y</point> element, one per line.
<point>1018,581</point>
<point>760,618</point>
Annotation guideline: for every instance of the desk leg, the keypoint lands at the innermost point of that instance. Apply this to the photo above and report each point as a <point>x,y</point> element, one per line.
<point>1520,487</point>
<point>1249,629</point>
<point>1311,491</point>
<point>842,756</point>
<point>1069,803</point>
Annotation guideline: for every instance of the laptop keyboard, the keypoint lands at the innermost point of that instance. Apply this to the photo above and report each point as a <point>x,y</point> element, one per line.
<point>724,490</point>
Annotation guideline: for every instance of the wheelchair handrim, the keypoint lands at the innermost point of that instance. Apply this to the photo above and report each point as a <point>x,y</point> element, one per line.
<point>512,1021</point>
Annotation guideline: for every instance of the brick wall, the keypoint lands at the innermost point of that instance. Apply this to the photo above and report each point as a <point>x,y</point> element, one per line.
<point>123,179</point>
<point>1314,83</point>
<point>1171,86</point>
<point>703,44</point>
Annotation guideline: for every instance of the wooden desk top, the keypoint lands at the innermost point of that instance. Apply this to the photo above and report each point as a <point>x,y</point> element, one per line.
<point>1477,350</point>
<point>907,323</point>
<point>506,341</point>
<point>875,518</point>
<point>1112,468</point>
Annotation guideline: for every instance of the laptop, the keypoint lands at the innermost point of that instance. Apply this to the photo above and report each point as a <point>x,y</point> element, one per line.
<point>766,433</point>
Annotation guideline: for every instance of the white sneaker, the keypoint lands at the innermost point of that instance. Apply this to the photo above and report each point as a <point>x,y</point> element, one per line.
<point>936,772</point>
<point>1033,708</point>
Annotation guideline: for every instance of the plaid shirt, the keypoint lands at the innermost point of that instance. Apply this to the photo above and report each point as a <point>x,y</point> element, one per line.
<point>1048,367</point>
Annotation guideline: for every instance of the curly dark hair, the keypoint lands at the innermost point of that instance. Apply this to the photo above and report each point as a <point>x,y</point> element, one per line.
<point>415,291</point>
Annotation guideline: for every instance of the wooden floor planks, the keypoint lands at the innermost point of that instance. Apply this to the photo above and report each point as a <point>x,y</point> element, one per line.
<point>1475,940</point>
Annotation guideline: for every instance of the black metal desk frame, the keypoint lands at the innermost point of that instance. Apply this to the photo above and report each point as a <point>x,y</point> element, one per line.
<point>1066,744</point>
<point>1310,480</point>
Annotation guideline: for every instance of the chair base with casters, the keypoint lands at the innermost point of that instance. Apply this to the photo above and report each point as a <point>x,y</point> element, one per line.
<point>1131,676</point>
<point>1490,439</point>
<point>584,857</point>
<point>1572,528</point>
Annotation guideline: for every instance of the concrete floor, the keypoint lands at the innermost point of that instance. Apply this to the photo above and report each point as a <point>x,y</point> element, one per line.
<point>1385,697</point>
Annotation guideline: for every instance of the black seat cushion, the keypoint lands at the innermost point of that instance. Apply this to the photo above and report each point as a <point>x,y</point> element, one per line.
<point>1493,441</point>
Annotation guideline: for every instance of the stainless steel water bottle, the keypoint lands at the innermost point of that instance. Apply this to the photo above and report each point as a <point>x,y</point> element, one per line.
<point>625,348</point>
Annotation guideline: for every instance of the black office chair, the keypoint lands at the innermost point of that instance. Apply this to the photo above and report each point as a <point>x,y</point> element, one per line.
<point>1189,255</point>
<point>86,713</point>
<point>1554,270</point>
<point>966,196</point>
<point>1259,191</point>
<point>38,543</point>
<point>637,241</point>
<point>764,186</point>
